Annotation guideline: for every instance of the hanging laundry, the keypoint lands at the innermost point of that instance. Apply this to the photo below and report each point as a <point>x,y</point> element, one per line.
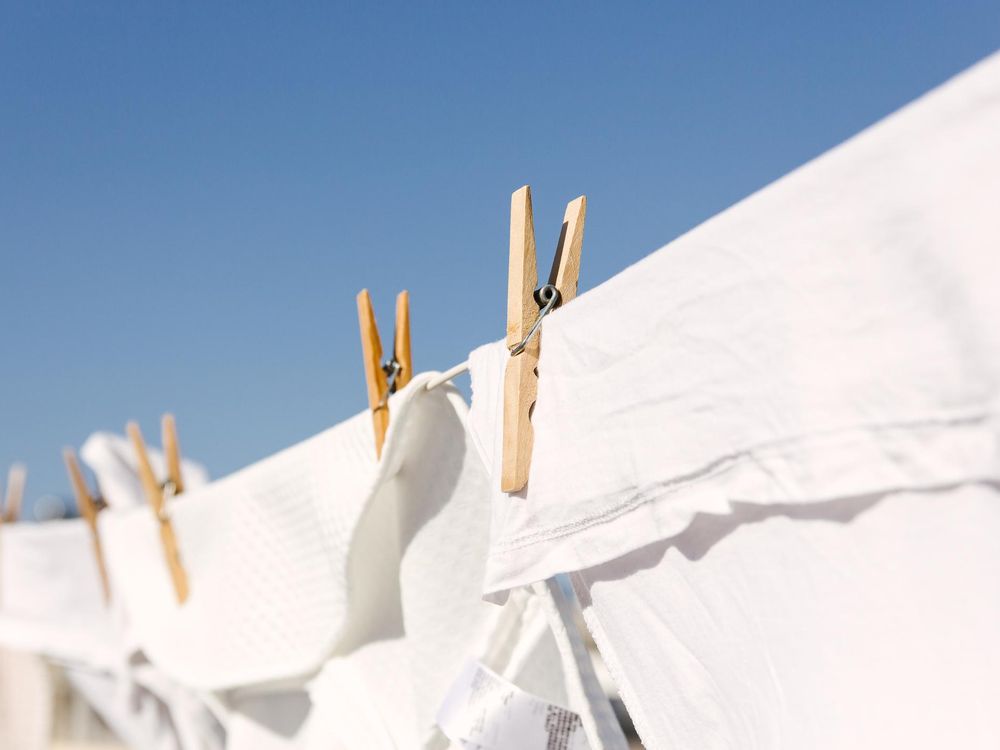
<point>761,447</point>
<point>322,569</point>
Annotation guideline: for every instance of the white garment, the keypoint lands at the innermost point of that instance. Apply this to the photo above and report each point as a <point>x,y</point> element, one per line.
<point>866,622</point>
<point>25,701</point>
<point>834,334</point>
<point>356,579</point>
<point>759,449</point>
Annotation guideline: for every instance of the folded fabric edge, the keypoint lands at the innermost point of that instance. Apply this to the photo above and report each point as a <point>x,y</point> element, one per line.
<point>926,454</point>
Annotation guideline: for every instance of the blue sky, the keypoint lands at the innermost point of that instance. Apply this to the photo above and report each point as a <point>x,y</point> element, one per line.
<point>191,196</point>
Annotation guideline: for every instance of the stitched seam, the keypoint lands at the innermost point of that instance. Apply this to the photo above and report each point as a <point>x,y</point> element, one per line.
<point>721,466</point>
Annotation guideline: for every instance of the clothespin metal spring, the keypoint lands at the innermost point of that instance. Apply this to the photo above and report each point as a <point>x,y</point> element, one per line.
<point>548,298</point>
<point>392,368</point>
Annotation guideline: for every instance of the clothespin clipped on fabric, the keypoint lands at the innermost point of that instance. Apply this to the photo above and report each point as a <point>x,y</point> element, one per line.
<point>384,378</point>
<point>158,495</point>
<point>16,476</point>
<point>89,507</point>
<point>526,307</point>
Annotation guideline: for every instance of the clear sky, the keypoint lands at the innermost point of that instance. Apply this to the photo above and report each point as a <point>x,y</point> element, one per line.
<point>191,196</point>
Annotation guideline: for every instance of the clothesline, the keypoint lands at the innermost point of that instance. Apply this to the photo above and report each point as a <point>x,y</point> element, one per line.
<point>448,375</point>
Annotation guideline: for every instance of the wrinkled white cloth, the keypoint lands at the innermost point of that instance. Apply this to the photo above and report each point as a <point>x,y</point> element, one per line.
<point>356,581</point>
<point>866,622</point>
<point>26,701</point>
<point>834,334</point>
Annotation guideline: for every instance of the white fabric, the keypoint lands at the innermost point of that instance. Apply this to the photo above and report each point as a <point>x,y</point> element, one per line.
<point>866,622</point>
<point>25,701</point>
<point>264,550</point>
<point>834,334</point>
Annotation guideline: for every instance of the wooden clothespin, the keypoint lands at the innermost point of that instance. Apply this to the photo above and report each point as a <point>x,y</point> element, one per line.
<point>384,378</point>
<point>16,476</point>
<point>155,495</point>
<point>89,507</point>
<point>526,307</point>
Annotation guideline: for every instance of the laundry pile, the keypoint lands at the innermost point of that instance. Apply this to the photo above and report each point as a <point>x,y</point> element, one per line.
<point>763,463</point>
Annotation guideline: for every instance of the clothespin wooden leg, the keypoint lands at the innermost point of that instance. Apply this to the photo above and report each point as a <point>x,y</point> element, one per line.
<point>172,451</point>
<point>401,342</point>
<point>521,374</point>
<point>565,274</point>
<point>88,508</point>
<point>520,381</point>
<point>154,494</point>
<point>375,378</point>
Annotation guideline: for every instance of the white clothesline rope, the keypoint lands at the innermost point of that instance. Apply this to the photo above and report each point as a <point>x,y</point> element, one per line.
<point>448,375</point>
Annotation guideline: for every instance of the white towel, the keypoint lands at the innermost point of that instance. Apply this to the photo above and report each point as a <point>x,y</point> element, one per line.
<point>113,460</point>
<point>834,334</point>
<point>264,550</point>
